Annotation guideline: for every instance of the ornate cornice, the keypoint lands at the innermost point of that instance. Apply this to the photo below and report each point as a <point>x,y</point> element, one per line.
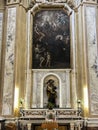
<point>35,6</point>
<point>8,2</point>
<point>71,4</point>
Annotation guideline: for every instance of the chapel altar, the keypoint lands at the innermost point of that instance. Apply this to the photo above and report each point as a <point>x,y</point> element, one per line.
<point>69,119</point>
<point>50,95</point>
<point>49,64</point>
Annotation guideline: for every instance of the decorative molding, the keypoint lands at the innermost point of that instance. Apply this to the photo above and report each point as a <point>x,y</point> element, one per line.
<point>91,122</point>
<point>34,5</point>
<point>42,113</point>
<point>8,2</point>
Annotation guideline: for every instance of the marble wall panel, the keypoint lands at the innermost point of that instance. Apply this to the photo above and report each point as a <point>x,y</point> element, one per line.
<point>92,58</point>
<point>9,63</point>
<point>1,27</point>
<point>64,88</point>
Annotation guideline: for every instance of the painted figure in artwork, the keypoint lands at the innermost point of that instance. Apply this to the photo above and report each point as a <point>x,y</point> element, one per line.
<point>51,40</point>
<point>51,93</point>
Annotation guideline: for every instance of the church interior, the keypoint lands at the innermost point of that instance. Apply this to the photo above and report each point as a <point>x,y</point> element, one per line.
<point>48,64</point>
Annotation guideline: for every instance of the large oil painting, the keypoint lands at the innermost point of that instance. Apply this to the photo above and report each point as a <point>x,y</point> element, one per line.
<point>51,40</point>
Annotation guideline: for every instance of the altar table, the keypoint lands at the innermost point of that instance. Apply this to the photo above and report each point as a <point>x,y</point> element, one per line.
<point>49,125</point>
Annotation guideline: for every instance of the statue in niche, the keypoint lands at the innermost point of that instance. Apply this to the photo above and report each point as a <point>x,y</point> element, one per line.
<point>51,93</point>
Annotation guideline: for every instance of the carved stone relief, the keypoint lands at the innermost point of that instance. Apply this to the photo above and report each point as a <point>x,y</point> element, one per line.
<point>92,58</point>
<point>9,63</point>
<point>12,1</point>
<point>1,22</point>
<point>71,3</point>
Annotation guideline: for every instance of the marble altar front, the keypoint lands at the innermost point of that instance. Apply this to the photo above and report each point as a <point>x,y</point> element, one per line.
<point>70,117</point>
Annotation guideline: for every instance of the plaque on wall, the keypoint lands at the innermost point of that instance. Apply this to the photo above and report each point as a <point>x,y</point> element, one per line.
<point>51,40</point>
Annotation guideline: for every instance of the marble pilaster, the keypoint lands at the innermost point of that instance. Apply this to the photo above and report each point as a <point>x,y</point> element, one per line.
<point>92,52</point>
<point>73,60</point>
<point>28,90</point>
<point>28,71</point>
<point>1,27</point>
<point>9,63</point>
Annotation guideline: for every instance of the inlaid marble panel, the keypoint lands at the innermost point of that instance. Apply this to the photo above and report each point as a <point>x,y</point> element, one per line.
<point>92,54</point>
<point>9,63</point>
<point>1,27</point>
<point>64,88</point>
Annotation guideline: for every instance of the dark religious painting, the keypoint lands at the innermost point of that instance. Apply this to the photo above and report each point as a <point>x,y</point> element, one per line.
<point>51,40</point>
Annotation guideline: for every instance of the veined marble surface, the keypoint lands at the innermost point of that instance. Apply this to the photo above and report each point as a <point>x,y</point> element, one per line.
<point>92,53</point>
<point>9,63</point>
<point>63,77</point>
<point>1,27</point>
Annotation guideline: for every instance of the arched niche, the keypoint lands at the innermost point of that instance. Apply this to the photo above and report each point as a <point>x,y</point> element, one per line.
<point>51,91</point>
<point>62,81</point>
